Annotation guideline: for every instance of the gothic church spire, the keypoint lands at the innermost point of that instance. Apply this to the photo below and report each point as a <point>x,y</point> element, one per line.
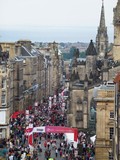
<point>102,18</point>
<point>102,37</point>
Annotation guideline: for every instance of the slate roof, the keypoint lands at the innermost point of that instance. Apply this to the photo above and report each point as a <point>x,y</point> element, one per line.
<point>25,52</point>
<point>91,49</point>
<point>34,51</point>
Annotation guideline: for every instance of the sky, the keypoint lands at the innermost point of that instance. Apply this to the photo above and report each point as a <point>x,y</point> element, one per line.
<point>58,19</point>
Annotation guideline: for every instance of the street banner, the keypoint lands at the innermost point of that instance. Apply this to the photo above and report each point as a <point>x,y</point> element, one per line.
<point>50,129</point>
<point>58,129</point>
<point>39,130</point>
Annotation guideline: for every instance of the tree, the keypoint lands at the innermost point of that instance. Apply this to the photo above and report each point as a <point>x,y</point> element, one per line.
<point>82,55</point>
<point>72,51</point>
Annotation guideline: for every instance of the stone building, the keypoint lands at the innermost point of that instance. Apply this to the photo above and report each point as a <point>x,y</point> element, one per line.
<point>84,76</point>
<point>98,69</point>
<point>40,71</point>
<point>93,72</point>
<point>21,78</point>
<point>110,71</point>
<point>67,69</point>
<point>9,47</point>
<point>53,67</point>
<point>116,22</point>
<point>105,103</point>
<point>26,77</point>
<point>77,115</point>
<point>47,71</point>
<point>116,138</point>
<point>17,84</point>
<point>91,57</point>
<point>6,93</point>
<point>30,63</point>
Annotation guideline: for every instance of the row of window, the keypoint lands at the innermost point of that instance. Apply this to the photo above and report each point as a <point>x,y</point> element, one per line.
<point>110,156</point>
<point>80,114</point>
<point>3,97</point>
<point>111,131</point>
<point>3,83</point>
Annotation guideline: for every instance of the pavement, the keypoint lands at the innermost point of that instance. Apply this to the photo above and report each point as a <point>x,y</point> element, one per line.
<point>41,154</point>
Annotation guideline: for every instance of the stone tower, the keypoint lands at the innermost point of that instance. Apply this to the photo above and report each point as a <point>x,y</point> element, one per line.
<point>91,57</point>
<point>116,22</point>
<point>105,71</point>
<point>102,37</point>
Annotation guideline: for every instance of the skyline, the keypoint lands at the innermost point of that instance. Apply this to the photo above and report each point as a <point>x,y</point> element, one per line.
<point>62,18</point>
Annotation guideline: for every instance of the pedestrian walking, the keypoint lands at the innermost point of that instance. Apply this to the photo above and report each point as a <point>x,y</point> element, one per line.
<point>45,144</point>
<point>56,152</point>
<point>60,153</point>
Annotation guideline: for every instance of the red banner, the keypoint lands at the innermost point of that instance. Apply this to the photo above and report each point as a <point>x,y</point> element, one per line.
<point>58,129</point>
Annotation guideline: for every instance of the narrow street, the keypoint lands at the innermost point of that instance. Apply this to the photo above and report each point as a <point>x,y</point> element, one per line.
<point>45,145</point>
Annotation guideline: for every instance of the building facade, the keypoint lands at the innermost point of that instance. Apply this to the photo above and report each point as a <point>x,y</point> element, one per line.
<point>6,93</point>
<point>116,22</point>
<point>116,138</point>
<point>84,76</point>
<point>105,103</point>
<point>25,77</point>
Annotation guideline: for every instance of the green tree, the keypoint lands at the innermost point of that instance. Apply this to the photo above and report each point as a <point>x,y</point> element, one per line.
<point>82,55</point>
<point>74,52</point>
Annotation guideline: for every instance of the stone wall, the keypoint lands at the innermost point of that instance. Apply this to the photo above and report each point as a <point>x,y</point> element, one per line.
<point>113,71</point>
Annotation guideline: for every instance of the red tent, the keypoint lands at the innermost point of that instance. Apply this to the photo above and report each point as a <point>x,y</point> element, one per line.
<point>15,114</point>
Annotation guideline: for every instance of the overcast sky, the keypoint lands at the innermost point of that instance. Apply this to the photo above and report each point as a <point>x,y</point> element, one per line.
<point>36,14</point>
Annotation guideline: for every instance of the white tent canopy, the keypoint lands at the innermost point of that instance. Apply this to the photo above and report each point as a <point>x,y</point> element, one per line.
<point>93,138</point>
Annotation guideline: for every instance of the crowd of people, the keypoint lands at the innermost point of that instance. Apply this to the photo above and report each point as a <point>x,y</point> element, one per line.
<point>47,146</point>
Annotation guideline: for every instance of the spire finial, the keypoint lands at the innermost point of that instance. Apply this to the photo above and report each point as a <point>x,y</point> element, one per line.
<point>102,2</point>
<point>102,18</point>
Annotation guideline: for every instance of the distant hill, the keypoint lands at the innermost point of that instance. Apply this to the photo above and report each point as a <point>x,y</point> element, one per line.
<point>65,47</point>
<point>68,49</point>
